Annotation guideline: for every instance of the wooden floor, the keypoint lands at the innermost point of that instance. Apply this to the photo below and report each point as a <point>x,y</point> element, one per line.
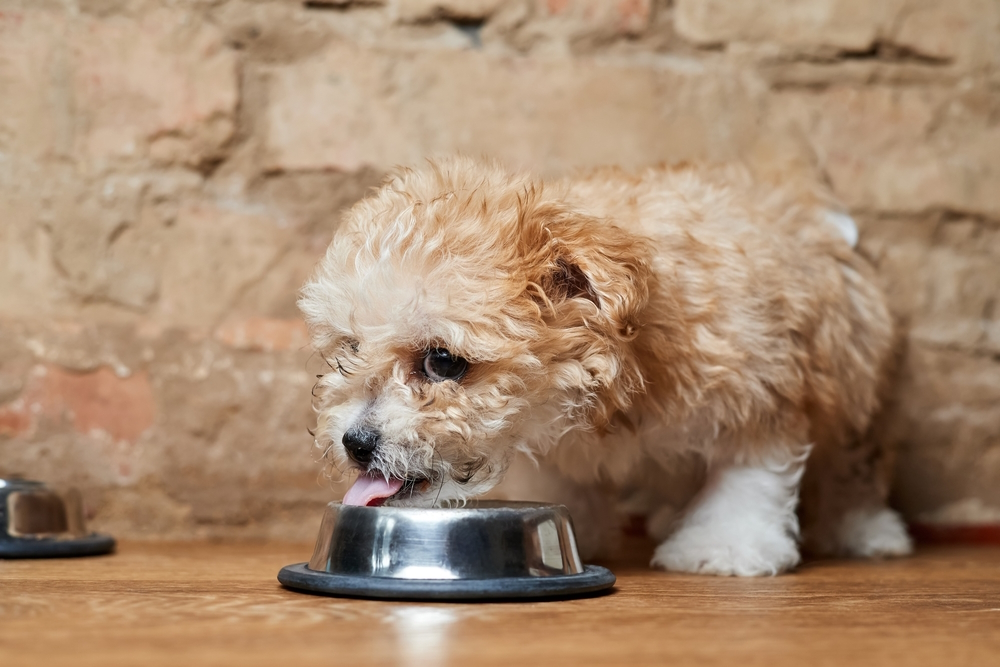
<point>188,604</point>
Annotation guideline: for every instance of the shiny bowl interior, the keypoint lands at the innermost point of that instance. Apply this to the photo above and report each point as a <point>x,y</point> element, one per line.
<point>30,510</point>
<point>482,540</point>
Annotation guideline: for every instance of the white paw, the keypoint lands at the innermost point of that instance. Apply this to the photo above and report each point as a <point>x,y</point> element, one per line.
<point>701,550</point>
<point>872,533</point>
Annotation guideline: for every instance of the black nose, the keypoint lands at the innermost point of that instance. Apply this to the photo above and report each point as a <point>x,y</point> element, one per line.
<point>360,444</point>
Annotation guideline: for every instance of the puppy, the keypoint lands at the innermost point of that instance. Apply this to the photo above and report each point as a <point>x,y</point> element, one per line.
<point>611,325</point>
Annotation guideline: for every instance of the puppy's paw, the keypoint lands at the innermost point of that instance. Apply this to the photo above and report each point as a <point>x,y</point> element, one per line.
<point>700,550</point>
<point>873,533</point>
<point>661,523</point>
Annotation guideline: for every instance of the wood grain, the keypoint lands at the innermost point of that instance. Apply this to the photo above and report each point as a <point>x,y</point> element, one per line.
<point>219,604</point>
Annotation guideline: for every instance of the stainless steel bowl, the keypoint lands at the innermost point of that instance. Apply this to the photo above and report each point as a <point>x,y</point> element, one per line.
<point>36,522</point>
<point>483,550</point>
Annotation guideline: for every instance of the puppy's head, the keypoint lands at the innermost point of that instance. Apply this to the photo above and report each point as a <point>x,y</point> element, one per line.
<point>466,312</point>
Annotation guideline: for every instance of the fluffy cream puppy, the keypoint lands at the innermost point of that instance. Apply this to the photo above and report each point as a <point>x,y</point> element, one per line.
<point>611,325</point>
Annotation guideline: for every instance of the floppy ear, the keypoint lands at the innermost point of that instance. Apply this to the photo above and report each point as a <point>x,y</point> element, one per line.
<point>588,271</point>
<point>590,279</point>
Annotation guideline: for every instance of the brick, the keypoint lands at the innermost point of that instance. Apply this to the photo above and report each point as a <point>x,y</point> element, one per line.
<point>28,278</point>
<point>562,28</point>
<point>94,403</point>
<point>215,253</point>
<point>964,31</point>
<point>852,25</point>
<point>11,385</point>
<point>343,3</point>
<point>234,443</point>
<point>428,10</point>
<point>143,510</point>
<point>895,149</point>
<point>578,18</point>
<point>67,239</point>
<point>264,334</point>
<point>161,75</point>
<point>97,244</point>
<point>947,422</point>
<point>102,88</point>
<point>354,107</point>
<point>36,117</point>
<point>959,294</point>
<point>942,279</point>
<point>899,247</point>
<point>15,419</point>
<point>75,344</point>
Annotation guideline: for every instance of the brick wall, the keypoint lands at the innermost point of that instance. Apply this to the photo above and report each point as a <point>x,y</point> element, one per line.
<point>170,170</point>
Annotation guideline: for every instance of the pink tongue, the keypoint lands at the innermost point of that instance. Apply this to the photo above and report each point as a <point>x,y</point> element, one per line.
<point>369,488</point>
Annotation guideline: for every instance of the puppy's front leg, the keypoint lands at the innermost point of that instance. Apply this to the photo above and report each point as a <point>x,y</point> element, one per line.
<point>741,523</point>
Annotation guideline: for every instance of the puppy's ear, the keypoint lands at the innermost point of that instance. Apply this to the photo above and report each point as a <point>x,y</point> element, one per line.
<point>569,281</point>
<point>587,271</point>
<point>590,280</point>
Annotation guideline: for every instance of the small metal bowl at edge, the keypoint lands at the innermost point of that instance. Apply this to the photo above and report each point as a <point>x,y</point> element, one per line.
<point>36,522</point>
<point>484,550</point>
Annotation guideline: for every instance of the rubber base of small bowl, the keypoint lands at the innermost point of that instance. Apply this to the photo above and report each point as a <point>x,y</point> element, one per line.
<point>593,579</point>
<point>91,545</point>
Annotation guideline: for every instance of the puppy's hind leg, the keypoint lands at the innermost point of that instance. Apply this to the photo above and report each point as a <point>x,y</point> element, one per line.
<point>742,522</point>
<point>843,503</point>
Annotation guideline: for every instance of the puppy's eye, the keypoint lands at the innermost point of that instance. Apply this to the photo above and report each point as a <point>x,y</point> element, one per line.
<point>441,365</point>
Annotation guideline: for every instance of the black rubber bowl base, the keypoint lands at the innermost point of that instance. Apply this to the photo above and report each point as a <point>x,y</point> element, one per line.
<point>593,579</point>
<point>91,545</point>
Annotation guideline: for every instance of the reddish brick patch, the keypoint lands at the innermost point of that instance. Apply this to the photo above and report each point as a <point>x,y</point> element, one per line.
<point>263,333</point>
<point>633,15</point>
<point>557,6</point>
<point>14,419</point>
<point>97,401</point>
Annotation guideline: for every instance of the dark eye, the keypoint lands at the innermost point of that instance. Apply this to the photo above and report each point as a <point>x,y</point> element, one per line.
<point>441,365</point>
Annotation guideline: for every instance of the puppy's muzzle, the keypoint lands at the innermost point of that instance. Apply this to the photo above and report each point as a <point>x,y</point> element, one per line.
<point>361,444</point>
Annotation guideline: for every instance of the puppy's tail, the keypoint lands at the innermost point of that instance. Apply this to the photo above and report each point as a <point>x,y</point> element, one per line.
<point>844,224</point>
<point>805,205</point>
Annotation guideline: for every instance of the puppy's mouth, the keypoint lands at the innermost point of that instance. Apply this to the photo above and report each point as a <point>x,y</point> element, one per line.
<point>373,488</point>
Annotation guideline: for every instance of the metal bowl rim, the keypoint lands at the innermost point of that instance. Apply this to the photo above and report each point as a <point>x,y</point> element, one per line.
<point>473,507</point>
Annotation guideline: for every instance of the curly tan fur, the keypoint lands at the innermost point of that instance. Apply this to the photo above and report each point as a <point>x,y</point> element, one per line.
<point>612,322</point>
